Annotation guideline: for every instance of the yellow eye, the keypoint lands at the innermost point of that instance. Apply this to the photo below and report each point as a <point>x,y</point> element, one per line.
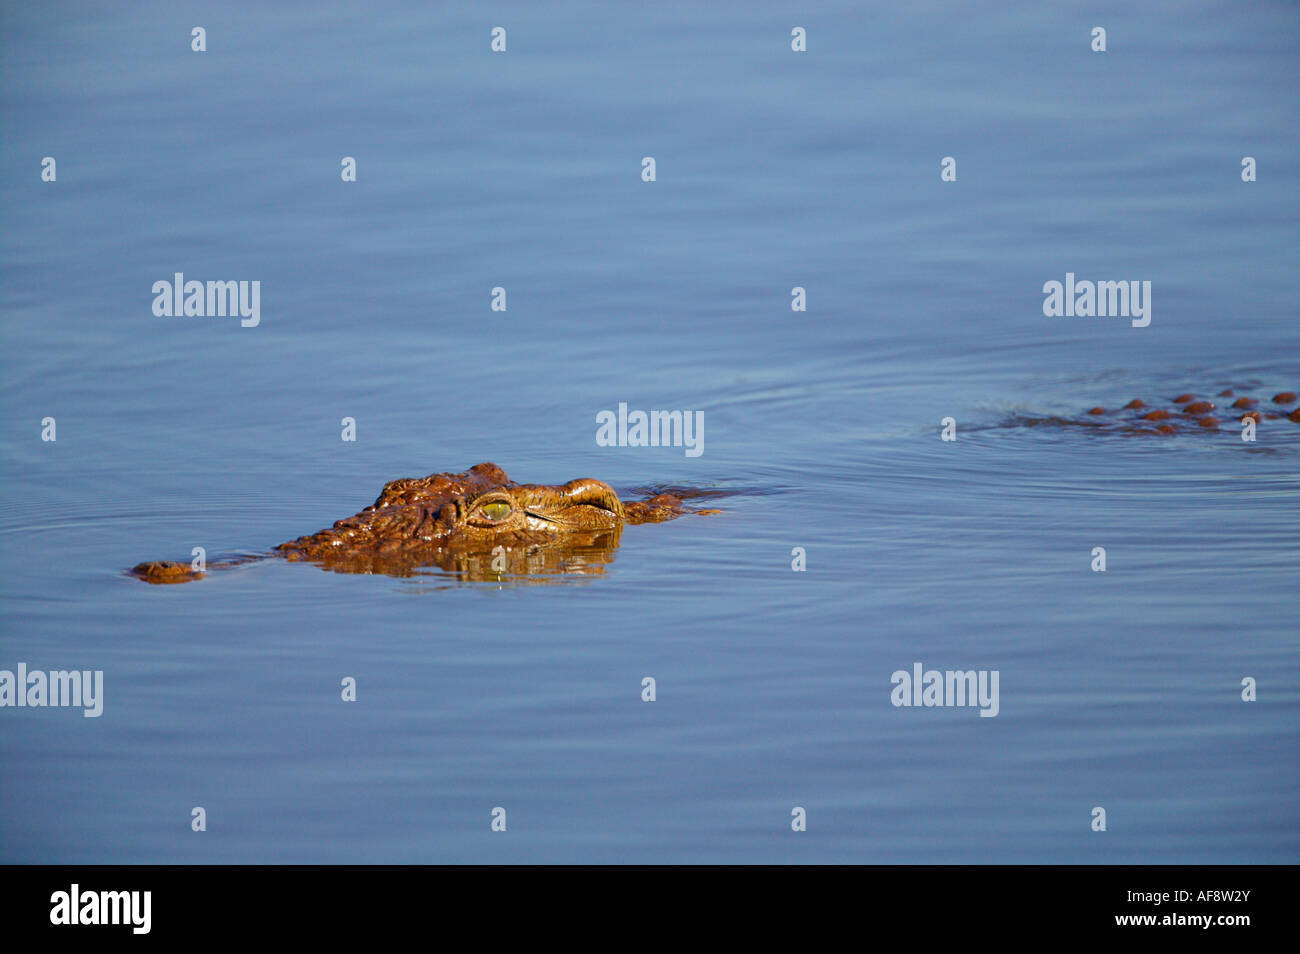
<point>496,511</point>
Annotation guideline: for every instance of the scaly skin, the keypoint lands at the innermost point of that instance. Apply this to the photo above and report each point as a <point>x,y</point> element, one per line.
<point>1182,414</point>
<point>458,522</point>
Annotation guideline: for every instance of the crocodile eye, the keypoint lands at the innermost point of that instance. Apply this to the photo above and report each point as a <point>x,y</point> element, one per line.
<point>496,511</point>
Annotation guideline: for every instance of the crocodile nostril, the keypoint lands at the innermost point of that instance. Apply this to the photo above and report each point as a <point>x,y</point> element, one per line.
<point>1161,415</point>
<point>1208,422</point>
<point>1286,397</point>
<point>1200,407</point>
<point>1134,405</point>
<point>1244,402</point>
<point>1096,410</point>
<point>1185,398</point>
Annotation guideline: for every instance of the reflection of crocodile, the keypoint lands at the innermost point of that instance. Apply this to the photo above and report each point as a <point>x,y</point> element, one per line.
<point>1187,412</point>
<point>477,525</point>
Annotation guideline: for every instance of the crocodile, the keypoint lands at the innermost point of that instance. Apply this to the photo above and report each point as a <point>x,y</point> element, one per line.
<point>1184,413</point>
<point>478,524</point>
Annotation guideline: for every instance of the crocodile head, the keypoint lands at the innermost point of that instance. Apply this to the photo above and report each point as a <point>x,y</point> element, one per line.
<point>417,517</point>
<point>476,525</point>
<point>454,520</point>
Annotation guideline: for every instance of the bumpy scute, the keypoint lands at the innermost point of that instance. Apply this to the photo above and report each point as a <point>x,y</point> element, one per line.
<point>1183,414</point>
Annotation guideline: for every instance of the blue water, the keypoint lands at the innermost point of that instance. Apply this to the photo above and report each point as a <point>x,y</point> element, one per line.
<point>775,169</point>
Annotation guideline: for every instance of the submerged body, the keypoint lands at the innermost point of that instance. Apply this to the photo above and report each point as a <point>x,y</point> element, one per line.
<point>466,522</point>
<point>1187,412</point>
<point>481,525</point>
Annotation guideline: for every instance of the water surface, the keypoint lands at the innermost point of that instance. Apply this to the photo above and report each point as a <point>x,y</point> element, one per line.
<point>775,169</point>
